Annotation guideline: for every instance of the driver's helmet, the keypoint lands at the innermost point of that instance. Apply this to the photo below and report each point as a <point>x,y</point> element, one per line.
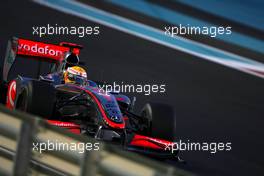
<point>75,75</point>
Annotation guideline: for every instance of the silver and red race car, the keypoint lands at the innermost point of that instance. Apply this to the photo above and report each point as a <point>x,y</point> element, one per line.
<point>32,82</point>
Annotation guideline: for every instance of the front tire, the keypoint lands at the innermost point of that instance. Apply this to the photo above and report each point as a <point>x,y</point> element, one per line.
<point>161,120</point>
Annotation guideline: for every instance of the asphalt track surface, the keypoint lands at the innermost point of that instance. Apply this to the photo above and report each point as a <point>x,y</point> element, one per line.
<point>213,103</point>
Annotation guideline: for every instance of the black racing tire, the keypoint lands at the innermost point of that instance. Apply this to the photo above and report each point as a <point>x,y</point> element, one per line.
<point>161,120</point>
<point>37,98</point>
<point>3,92</point>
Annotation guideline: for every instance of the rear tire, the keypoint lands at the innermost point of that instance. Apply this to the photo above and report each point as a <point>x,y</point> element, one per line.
<point>3,92</point>
<point>161,120</point>
<point>37,98</point>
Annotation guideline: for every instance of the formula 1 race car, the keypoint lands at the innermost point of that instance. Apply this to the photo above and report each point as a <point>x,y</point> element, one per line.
<point>32,83</point>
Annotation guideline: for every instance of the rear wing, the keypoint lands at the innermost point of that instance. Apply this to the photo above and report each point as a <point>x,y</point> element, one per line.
<point>33,50</point>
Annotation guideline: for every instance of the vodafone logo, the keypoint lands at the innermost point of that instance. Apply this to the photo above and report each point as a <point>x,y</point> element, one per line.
<point>46,50</point>
<point>32,48</point>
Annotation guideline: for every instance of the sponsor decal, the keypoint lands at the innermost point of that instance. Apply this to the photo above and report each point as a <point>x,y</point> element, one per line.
<point>11,95</point>
<point>32,48</point>
<point>63,124</point>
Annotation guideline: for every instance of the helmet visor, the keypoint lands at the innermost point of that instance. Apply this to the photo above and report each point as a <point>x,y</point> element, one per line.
<point>77,79</point>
